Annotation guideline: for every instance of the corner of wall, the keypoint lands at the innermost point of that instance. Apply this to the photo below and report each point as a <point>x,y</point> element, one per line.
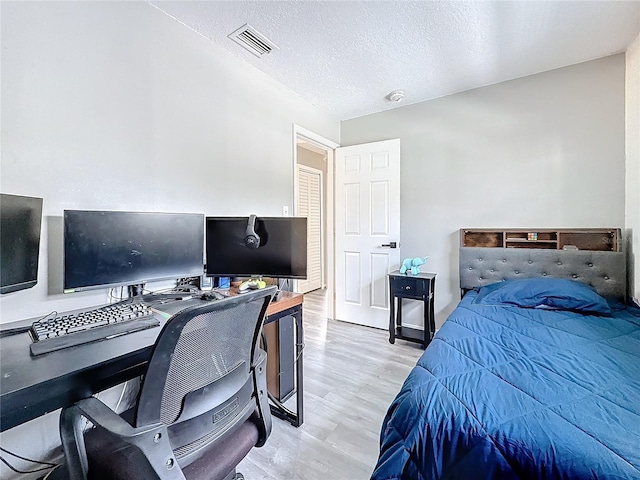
<point>632,166</point>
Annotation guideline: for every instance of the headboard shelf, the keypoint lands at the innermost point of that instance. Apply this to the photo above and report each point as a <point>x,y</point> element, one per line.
<point>592,239</point>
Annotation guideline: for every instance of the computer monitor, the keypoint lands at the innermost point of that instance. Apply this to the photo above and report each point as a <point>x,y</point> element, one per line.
<point>20,222</point>
<point>282,252</point>
<point>106,249</point>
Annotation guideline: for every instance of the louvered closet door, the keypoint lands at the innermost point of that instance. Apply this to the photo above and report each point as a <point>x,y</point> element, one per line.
<point>310,206</point>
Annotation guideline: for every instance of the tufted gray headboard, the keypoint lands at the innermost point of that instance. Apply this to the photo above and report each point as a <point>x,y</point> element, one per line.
<point>604,271</point>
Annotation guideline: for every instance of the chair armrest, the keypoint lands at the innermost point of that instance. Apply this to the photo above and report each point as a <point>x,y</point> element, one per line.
<point>102,416</point>
<point>151,440</point>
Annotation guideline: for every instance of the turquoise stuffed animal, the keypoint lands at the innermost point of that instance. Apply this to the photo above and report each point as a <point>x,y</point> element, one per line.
<point>412,265</point>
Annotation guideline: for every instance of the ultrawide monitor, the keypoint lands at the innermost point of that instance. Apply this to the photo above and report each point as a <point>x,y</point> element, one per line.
<point>20,223</point>
<point>282,252</point>
<point>105,249</point>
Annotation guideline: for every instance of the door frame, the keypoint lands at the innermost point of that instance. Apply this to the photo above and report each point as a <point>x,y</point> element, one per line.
<point>320,173</point>
<point>329,146</point>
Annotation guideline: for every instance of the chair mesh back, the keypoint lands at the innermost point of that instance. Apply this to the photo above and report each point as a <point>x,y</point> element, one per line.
<point>210,346</point>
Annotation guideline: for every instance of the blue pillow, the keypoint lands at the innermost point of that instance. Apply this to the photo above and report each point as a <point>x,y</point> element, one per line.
<point>553,293</point>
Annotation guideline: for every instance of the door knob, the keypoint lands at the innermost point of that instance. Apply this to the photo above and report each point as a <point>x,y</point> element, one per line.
<point>390,245</point>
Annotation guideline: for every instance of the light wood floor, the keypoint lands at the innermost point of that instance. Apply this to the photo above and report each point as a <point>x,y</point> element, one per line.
<point>351,375</point>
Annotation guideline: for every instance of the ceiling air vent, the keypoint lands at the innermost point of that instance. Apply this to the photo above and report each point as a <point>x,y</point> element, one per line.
<point>248,37</point>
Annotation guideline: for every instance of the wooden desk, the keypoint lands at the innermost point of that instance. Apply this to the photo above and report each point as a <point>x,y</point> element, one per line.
<point>33,386</point>
<point>279,362</point>
<point>289,304</point>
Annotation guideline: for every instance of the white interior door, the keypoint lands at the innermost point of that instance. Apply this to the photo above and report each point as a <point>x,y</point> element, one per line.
<point>367,225</point>
<point>310,206</point>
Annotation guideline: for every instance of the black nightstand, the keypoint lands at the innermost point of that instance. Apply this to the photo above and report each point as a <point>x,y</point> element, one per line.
<point>414,287</point>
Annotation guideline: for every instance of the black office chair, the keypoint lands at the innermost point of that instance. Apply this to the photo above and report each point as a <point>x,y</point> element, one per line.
<point>202,404</point>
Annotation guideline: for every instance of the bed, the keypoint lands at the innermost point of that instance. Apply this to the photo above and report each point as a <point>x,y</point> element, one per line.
<point>540,388</point>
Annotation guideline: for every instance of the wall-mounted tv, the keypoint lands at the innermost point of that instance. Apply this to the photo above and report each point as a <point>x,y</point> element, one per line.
<point>20,225</point>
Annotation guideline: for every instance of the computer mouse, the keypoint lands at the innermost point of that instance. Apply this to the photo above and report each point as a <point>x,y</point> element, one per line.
<point>211,296</point>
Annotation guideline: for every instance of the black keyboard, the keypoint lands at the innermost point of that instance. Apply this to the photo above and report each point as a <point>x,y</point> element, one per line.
<point>89,326</point>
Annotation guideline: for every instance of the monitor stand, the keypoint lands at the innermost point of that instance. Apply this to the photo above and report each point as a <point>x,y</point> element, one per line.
<point>135,290</point>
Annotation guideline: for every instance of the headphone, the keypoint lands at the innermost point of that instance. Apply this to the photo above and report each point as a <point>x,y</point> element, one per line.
<point>251,238</point>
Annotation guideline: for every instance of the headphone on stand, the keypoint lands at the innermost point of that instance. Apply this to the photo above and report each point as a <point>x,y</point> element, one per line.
<point>251,238</point>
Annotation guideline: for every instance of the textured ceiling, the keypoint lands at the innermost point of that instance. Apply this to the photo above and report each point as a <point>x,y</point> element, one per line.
<point>346,56</point>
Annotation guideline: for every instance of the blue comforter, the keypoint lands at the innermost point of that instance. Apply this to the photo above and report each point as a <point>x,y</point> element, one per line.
<point>507,392</point>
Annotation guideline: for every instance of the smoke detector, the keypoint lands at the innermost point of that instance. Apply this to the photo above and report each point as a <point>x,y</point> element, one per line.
<point>249,38</point>
<point>395,96</point>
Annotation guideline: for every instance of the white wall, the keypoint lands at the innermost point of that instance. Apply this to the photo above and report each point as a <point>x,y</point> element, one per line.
<point>116,106</point>
<point>541,151</point>
<point>632,206</point>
